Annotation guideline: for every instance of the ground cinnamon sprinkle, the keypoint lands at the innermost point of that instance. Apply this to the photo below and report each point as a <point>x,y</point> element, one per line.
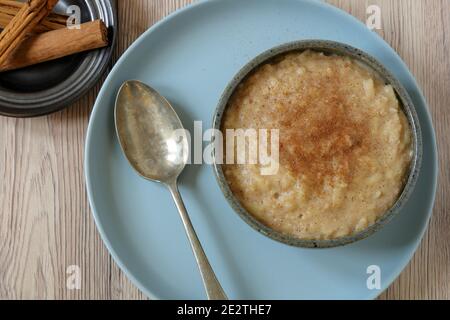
<point>318,138</point>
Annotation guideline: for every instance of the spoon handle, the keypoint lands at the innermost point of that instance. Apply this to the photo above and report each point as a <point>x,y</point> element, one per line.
<point>213,288</point>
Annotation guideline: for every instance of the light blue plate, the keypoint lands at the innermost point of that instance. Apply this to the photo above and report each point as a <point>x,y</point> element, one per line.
<point>190,57</point>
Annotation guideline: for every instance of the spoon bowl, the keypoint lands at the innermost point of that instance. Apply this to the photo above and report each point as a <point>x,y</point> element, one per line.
<point>150,132</point>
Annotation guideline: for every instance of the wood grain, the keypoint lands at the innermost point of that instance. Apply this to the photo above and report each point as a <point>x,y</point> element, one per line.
<point>45,220</point>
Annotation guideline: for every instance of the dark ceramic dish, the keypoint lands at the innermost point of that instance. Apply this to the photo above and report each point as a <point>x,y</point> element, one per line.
<point>328,47</point>
<point>53,85</point>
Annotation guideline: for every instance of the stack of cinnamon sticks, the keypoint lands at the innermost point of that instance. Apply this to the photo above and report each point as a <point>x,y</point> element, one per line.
<point>33,34</point>
<point>9,8</point>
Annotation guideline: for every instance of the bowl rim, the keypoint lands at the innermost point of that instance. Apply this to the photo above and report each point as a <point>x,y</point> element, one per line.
<point>331,47</point>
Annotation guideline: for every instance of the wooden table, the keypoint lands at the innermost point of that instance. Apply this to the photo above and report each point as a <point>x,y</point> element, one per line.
<point>45,221</point>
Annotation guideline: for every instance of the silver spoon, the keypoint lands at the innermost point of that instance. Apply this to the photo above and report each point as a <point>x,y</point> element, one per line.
<point>146,125</point>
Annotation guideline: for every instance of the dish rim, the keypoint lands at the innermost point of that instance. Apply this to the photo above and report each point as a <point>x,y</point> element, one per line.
<point>407,105</point>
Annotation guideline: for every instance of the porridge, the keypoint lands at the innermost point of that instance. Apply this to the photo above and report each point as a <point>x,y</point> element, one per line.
<point>345,145</point>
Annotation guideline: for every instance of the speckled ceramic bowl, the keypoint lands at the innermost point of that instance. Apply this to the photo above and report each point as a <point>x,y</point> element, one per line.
<point>329,47</point>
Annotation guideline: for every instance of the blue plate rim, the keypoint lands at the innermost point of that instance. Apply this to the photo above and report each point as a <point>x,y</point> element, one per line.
<point>193,6</point>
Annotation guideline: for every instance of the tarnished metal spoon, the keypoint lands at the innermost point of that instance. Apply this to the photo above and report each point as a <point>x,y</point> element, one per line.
<point>151,136</point>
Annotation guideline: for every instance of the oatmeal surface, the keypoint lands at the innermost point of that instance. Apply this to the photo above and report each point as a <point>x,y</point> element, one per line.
<point>345,145</point>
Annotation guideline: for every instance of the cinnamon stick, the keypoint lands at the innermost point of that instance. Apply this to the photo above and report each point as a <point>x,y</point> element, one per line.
<point>26,19</point>
<point>9,8</point>
<point>57,44</point>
